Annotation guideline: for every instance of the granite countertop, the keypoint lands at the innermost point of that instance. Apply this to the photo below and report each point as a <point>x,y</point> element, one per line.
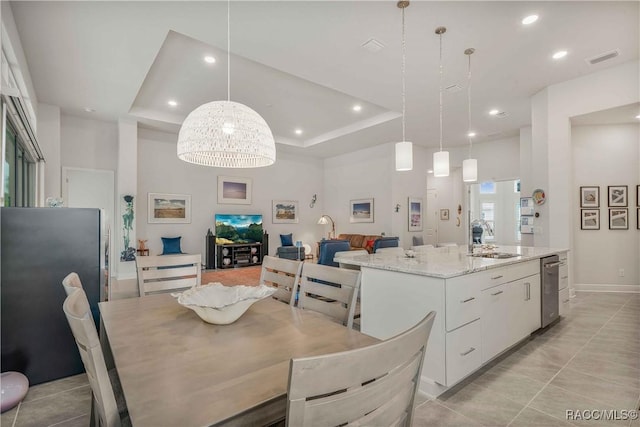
<point>447,262</point>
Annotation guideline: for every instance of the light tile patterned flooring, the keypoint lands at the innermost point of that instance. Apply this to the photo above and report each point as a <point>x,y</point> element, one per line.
<point>588,360</point>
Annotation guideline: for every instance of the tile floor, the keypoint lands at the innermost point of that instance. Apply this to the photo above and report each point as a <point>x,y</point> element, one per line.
<point>588,360</point>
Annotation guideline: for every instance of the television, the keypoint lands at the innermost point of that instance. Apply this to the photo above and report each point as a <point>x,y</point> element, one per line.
<point>237,228</point>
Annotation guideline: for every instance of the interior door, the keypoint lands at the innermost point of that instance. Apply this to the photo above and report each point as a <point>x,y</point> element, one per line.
<point>431,217</point>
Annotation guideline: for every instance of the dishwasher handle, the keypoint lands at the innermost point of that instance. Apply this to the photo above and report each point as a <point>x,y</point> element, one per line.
<point>552,264</point>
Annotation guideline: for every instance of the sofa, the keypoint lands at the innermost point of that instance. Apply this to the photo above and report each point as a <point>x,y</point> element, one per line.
<point>359,241</point>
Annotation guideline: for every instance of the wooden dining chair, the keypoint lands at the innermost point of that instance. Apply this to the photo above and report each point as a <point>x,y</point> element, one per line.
<point>165,273</point>
<point>76,309</point>
<point>71,283</point>
<point>329,290</point>
<point>282,274</point>
<point>369,386</point>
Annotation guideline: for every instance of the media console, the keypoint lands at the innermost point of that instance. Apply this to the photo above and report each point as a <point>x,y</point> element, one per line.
<point>239,255</point>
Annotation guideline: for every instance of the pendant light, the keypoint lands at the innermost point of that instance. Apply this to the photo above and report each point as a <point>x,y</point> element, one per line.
<point>226,134</point>
<point>404,149</point>
<point>441,158</point>
<point>469,166</point>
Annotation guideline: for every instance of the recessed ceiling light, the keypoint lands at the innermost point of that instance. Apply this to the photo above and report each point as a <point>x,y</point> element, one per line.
<point>471,134</point>
<point>494,112</point>
<point>298,131</point>
<point>172,103</point>
<point>209,59</point>
<point>430,171</point>
<point>529,19</point>
<point>559,54</point>
<point>357,107</point>
<point>89,110</point>
<point>638,116</point>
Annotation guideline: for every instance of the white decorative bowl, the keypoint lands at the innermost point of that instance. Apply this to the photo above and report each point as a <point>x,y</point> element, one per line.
<point>222,305</point>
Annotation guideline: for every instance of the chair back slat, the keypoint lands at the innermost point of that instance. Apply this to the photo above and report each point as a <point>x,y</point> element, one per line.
<point>78,314</point>
<point>71,283</point>
<point>329,290</point>
<point>163,273</point>
<point>374,385</point>
<point>283,274</point>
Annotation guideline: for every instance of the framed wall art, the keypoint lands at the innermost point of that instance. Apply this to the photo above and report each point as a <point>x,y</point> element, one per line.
<point>415,214</point>
<point>169,208</point>
<point>638,196</point>
<point>590,197</point>
<point>589,219</point>
<point>234,190</point>
<point>444,214</point>
<point>526,206</point>
<point>285,212</point>
<point>618,219</point>
<point>618,196</point>
<point>361,210</point>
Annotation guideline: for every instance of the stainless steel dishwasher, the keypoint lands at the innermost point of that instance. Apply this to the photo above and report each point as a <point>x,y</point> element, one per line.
<point>549,275</point>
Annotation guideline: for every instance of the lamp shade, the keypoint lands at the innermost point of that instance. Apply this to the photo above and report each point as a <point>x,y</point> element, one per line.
<point>441,163</point>
<point>226,134</point>
<point>470,170</point>
<point>404,156</point>
<point>323,220</point>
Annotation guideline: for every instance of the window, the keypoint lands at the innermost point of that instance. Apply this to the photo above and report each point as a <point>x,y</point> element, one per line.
<point>19,172</point>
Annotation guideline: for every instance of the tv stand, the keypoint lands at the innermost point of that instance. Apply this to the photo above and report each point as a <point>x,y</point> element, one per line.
<point>239,255</point>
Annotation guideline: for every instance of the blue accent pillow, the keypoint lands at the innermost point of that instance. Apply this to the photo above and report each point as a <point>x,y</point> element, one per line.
<point>171,245</point>
<point>286,239</point>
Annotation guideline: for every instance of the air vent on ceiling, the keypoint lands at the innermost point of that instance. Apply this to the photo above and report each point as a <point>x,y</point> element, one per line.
<point>373,45</point>
<point>603,57</point>
<point>500,115</point>
<point>453,88</point>
<point>494,135</point>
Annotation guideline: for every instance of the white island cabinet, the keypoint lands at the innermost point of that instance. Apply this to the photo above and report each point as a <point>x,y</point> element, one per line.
<point>483,305</point>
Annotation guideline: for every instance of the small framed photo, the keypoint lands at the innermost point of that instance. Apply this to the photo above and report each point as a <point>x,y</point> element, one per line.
<point>169,208</point>
<point>285,212</point>
<point>361,210</point>
<point>526,206</point>
<point>590,197</point>
<point>415,214</point>
<point>526,224</point>
<point>638,196</point>
<point>638,218</point>
<point>618,219</point>
<point>618,196</point>
<point>590,219</point>
<point>444,214</point>
<point>234,190</point>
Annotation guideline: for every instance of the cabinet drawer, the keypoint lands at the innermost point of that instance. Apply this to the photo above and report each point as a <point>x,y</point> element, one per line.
<point>462,300</point>
<point>563,276</point>
<point>564,301</point>
<point>463,352</point>
<point>509,273</point>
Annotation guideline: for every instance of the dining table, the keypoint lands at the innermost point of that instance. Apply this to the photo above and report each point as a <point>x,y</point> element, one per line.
<point>177,370</point>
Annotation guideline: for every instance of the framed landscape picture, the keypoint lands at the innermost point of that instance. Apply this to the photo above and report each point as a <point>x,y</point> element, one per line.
<point>618,196</point>
<point>234,190</point>
<point>618,219</point>
<point>415,214</point>
<point>169,208</point>
<point>285,212</point>
<point>590,219</point>
<point>361,210</point>
<point>590,197</point>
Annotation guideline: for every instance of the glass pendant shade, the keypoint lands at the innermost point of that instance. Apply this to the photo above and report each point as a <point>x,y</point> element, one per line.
<point>441,163</point>
<point>404,156</point>
<point>226,134</point>
<point>470,170</point>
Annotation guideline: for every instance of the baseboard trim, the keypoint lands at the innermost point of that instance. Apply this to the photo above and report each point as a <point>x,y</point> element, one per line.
<point>603,287</point>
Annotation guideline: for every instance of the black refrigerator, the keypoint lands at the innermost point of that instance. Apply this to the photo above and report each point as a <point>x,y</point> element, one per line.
<point>39,247</point>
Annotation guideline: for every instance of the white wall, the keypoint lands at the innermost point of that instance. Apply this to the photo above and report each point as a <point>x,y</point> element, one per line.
<point>89,144</point>
<point>292,177</point>
<point>49,140</point>
<point>603,156</point>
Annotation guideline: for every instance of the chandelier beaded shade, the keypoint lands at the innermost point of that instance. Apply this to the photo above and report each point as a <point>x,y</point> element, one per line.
<point>226,134</point>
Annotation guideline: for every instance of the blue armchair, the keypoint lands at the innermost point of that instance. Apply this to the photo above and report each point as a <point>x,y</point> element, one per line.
<point>328,248</point>
<point>386,242</point>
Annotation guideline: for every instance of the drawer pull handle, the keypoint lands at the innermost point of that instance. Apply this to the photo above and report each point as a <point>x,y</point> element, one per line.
<point>467,300</point>
<point>472,349</point>
<point>496,277</point>
<point>566,301</point>
<point>564,277</point>
<point>498,293</point>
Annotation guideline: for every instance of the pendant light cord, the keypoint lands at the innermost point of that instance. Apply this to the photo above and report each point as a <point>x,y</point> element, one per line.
<point>228,50</point>
<point>404,49</point>
<point>441,91</point>
<point>469,105</point>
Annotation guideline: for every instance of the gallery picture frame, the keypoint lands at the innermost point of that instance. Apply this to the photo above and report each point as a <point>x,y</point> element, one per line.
<point>166,208</point>
<point>590,196</point>
<point>444,214</point>
<point>638,196</point>
<point>638,218</point>
<point>415,214</point>
<point>234,190</point>
<point>361,210</point>
<point>589,219</point>
<point>618,219</point>
<point>285,211</point>
<point>618,196</point>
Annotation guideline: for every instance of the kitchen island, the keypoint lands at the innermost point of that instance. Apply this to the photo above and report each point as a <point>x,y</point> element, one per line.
<point>484,305</point>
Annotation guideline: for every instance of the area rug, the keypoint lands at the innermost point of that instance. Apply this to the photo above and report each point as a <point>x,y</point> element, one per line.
<point>249,276</point>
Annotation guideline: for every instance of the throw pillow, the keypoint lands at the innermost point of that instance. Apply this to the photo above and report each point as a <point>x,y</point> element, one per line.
<point>286,239</point>
<point>171,245</point>
<point>369,245</point>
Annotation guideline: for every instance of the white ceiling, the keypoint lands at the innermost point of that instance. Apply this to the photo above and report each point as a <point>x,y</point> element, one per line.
<point>301,64</point>
<point>625,114</point>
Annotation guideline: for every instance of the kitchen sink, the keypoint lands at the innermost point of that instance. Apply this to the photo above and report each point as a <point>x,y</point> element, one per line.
<point>497,255</point>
